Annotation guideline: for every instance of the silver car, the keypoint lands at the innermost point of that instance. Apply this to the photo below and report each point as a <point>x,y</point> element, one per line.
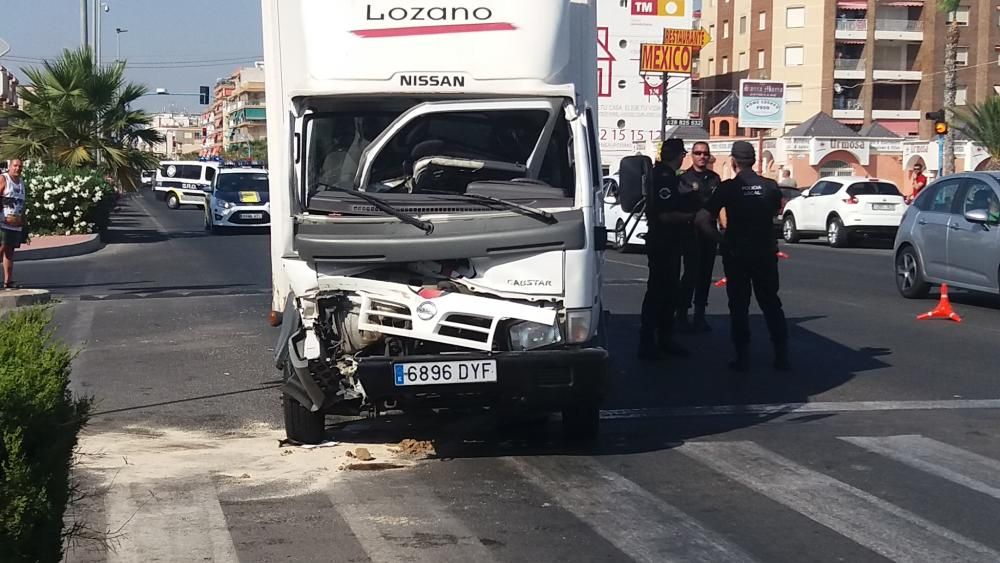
<point>951,234</point>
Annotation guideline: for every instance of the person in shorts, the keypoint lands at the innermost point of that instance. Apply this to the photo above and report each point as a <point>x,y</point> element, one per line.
<point>13,197</point>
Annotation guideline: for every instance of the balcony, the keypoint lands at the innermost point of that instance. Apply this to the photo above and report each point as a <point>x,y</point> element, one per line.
<point>896,71</point>
<point>849,69</point>
<point>899,30</point>
<point>895,114</point>
<point>856,29</point>
<point>848,108</point>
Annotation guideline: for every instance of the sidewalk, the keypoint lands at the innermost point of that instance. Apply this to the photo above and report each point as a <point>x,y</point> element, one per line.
<point>45,247</point>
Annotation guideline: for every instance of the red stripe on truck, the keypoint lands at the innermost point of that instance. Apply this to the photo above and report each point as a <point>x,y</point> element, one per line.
<point>433,30</point>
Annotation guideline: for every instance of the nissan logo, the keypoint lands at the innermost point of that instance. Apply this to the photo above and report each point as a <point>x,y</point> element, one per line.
<point>427,311</point>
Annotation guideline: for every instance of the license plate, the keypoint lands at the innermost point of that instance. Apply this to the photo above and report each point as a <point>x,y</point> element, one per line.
<point>253,215</point>
<point>441,373</point>
<point>883,206</point>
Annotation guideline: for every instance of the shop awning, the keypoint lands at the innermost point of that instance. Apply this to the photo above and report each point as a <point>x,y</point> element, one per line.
<point>906,3</point>
<point>854,5</point>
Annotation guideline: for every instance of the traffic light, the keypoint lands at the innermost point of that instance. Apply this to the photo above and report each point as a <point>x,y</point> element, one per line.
<point>940,125</point>
<point>203,95</point>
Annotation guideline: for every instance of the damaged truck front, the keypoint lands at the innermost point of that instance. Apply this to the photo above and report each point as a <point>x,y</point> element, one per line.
<point>435,237</point>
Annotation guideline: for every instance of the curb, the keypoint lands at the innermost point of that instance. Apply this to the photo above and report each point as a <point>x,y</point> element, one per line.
<point>92,244</point>
<point>13,298</point>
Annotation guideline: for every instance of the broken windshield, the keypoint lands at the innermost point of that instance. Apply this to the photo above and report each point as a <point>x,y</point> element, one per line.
<point>441,151</point>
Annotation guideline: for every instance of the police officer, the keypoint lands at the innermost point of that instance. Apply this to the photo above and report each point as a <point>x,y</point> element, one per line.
<point>749,253</point>
<point>669,215</point>
<point>699,254</point>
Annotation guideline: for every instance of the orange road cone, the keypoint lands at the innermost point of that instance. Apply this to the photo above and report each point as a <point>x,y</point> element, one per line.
<point>943,309</point>
<point>782,255</point>
<point>720,283</point>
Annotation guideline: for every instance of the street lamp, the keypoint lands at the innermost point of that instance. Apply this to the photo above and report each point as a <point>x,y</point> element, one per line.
<point>98,8</point>
<point>118,43</point>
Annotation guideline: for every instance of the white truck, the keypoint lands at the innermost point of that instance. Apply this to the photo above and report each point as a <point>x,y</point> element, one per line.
<point>437,228</point>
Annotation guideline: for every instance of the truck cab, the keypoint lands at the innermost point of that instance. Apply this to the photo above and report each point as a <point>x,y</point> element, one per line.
<point>437,222</point>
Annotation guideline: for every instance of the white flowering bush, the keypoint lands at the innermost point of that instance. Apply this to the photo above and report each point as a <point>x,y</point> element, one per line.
<point>65,201</point>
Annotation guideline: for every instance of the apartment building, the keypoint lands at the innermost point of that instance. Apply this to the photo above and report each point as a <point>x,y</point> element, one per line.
<point>214,121</point>
<point>8,92</point>
<point>246,118</point>
<point>859,61</point>
<point>182,134</point>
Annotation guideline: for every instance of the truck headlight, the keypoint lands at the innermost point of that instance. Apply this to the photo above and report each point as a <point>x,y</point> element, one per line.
<point>529,336</point>
<point>578,325</point>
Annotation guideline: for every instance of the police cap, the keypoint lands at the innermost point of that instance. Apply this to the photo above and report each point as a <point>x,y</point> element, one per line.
<point>672,147</point>
<point>744,151</point>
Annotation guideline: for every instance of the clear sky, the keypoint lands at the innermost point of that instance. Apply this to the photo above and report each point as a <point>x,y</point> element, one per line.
<point>173,44</point>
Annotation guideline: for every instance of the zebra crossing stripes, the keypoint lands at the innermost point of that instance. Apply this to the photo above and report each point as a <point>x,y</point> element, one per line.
<point>641,525</point>
<point>878,525</point>
<point>965,468</point>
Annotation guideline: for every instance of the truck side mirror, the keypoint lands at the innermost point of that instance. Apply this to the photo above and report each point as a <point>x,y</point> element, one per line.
<point>635,173</point>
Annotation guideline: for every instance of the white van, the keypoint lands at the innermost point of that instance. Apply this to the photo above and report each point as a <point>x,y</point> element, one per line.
<point>184,182</point>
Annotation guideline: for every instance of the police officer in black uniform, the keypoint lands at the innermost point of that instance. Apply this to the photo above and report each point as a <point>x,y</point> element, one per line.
<point>699,254</point>
<point>749,253</point>
<point>670,216</point>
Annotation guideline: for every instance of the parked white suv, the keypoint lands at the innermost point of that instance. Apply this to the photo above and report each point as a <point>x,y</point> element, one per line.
<point>844,208</point>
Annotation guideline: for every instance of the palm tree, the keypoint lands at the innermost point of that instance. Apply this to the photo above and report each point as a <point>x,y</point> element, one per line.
<point>949,7</point>
<point>78,115</point>
<point>981,123</point>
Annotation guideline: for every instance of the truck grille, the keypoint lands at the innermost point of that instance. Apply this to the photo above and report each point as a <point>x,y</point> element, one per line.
<point>397,310</point>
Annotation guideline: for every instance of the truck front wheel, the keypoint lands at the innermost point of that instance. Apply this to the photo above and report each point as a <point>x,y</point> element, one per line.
<point>301,424</point>
<point>582,421</point>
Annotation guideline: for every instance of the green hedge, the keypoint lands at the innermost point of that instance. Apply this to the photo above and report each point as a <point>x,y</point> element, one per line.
<point>64,201</point>
<point>39,423</point>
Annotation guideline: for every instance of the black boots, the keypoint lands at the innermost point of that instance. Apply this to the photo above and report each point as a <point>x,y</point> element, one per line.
<point>781,362</point>
<point>652,351</point>
<point>681,322</point>
<point>699,324</point>
<point>741,363</point>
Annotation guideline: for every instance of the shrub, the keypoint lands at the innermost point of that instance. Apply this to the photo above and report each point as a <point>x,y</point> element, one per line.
<point>63,201</point>
<point>39,423</point>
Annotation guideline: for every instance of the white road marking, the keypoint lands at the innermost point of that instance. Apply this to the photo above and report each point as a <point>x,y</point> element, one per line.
<point>642,526</point>
<point>639,266</point>
<point>156,222</point>
<point>178,520</point>
<point>965,468</point>
<point>799,408</point>
<point>414,528</point>
<point>878,525</point>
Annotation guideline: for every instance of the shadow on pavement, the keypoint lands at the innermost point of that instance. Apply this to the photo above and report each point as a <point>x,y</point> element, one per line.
<point>702,380</point>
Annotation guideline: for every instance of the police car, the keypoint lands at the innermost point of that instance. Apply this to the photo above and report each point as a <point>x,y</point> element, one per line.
<point>624,229</point>
<point>239,197</point>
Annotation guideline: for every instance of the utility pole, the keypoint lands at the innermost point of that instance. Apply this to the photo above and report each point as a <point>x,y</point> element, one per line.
<point>84,27</point>
<point>118,43</point>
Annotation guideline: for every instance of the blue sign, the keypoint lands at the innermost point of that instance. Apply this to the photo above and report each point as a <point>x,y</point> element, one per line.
<point>762,104</point>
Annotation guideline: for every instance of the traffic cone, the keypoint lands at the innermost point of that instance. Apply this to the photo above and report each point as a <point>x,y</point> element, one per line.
<point>720,283</point>
<point>943,309</point>
<point>782,255</point>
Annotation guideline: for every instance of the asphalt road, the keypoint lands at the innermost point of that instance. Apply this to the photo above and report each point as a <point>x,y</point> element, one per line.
<point>880,444</point>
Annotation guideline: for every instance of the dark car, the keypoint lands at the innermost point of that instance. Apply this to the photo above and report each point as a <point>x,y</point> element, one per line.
<point>787,194</point>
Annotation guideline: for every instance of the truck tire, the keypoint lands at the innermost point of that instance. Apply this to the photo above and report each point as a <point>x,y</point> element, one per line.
<point>582,421</point>
<point>173,202</point>
<point>301,424</point>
